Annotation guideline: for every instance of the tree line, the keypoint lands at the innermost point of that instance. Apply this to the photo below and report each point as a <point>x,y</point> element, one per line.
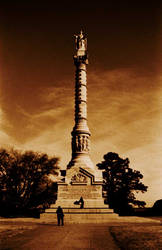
<point>25,182</point>
<point>121,183</point>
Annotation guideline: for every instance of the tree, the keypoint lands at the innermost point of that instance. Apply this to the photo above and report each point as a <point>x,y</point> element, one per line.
<point>121,182</point>
<point>24,180</point>
<point>157,207</point>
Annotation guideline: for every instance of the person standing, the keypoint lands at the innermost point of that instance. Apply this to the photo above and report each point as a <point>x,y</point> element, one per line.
<point>60,216</point>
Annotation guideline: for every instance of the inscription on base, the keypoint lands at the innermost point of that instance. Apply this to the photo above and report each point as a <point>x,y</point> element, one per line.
<point>75,192</point>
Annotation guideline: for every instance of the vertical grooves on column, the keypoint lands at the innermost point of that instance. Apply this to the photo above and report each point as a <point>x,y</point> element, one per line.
<point>80,134</point>
<point>80,95</point>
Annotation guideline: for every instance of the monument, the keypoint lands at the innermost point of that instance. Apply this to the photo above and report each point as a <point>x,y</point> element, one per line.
<point>81,178</point>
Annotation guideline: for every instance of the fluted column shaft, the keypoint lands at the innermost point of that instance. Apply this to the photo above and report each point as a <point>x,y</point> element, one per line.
<point>80,93</point>
<point>80,133</point>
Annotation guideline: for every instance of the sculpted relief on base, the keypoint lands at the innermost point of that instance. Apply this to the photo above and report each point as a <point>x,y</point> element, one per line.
<point>77,175</point>
<point>79,178</point>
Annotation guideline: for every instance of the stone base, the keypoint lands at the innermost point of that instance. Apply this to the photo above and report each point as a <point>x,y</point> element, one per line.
<point>85,215</point>
<point>79,182</point>
<point>68,194</point>
<point>88,203</point>
<point>82,210</point>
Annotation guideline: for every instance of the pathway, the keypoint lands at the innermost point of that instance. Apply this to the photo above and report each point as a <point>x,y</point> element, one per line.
<point>72,236</point>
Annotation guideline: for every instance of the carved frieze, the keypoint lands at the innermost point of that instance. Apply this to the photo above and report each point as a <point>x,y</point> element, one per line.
<point>79,178</point>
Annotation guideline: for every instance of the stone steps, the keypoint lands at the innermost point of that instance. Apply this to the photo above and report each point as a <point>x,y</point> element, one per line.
<point>88,203</point>
<point>77,215</point>
<point>82,211</point>
<point>80,218</point>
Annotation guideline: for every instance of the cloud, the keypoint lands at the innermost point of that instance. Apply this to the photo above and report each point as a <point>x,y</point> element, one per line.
<point>148,160</point>
<point>24,123</point>
<point>127,119</point>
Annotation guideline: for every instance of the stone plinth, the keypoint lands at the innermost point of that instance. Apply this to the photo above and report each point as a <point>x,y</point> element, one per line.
<point>82,210</point>
<point>80,183</point>
<point>85,215</point>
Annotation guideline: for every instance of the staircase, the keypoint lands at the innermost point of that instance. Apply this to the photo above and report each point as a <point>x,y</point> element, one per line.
<point>84,215</point>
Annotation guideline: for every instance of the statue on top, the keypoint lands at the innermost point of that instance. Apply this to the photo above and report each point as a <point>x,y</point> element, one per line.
<point>81,42</point>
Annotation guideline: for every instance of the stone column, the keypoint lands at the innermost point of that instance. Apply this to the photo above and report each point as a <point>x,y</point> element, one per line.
<point>80,133</point>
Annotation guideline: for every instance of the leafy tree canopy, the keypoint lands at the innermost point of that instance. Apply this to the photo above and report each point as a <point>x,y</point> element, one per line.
<point>121,182</point>
<point>24,179</point>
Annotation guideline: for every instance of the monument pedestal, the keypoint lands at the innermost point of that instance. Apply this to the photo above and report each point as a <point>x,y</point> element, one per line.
<point>80,183</point>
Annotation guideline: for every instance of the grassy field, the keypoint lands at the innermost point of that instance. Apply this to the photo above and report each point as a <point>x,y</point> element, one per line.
<point>144,237</point>
<point>9,231</point>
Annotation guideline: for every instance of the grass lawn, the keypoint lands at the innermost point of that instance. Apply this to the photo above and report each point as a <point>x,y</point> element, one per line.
<point>8,231</point>
<point>135,236</point>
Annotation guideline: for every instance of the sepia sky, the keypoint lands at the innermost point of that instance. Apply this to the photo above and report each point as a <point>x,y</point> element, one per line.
<point>123,77</point>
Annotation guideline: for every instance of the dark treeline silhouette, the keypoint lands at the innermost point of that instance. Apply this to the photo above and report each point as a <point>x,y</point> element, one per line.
<point>25,185</point>
<point>120,184</point>
<point>155,210</point>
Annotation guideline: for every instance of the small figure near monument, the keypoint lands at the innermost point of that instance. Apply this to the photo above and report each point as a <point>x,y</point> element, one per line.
<point>60,216</point>
<point>81,202</point>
